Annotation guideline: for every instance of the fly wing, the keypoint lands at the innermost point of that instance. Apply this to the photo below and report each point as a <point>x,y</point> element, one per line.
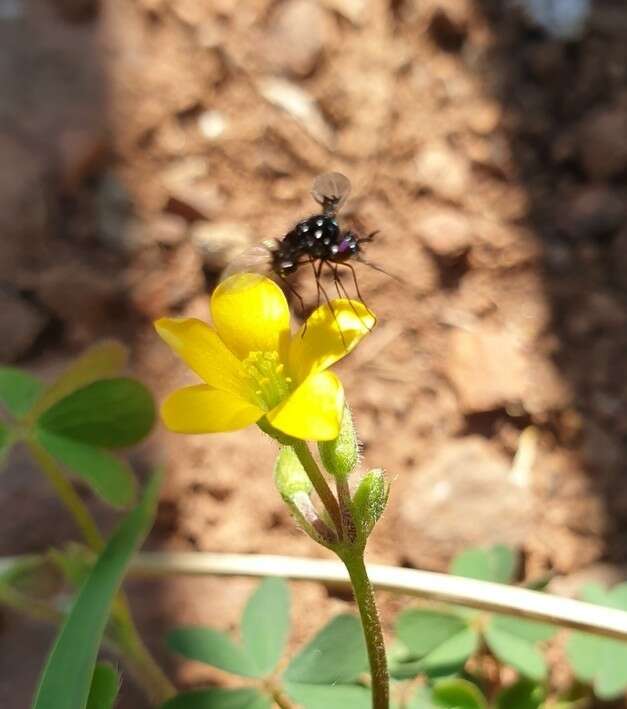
<point>255,259</point>
<point>331,190</point>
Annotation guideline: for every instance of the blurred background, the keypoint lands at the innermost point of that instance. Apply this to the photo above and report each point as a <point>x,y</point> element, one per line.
<point>144,143</point>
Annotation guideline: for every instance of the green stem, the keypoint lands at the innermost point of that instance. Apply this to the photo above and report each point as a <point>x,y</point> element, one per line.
<point>143,666</point>
<point>364,596</point>
<point>320,484</point>
<point>68,495</point>
<point>349,532</point>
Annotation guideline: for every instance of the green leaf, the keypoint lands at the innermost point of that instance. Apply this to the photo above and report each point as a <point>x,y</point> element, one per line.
<point>102,360</point>
<point>104,687</point>
<point>422,630</point>
<point>109,413</point>
<point>497,564</point>
<point>218,698</point>
<point>530,630</point>
<point>266,624</point>
<point>515,651</point>
<point>336,655</point>
<point>601,661</point>
<point>67,676</point>
<point>18,391</point>
<point>213,648</point>
<point>5,442</point>
<point>523,694</point>
<point>451,693</point>
<point>453,653</point>
<point>321,696</point>
<point>110,477</point>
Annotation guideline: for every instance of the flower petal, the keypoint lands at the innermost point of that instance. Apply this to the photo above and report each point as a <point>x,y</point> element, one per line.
<point>313,411</point>
<point>319,343</point>
<point>200,347</point>
<point>251,314</point>
<point>201,409</point>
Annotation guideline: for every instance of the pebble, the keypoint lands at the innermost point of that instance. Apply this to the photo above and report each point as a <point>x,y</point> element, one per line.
<point>443,171</point>
<point>212,124</point>
<point>462,496</point>
<point>445,232</point>
<point>20,325</point>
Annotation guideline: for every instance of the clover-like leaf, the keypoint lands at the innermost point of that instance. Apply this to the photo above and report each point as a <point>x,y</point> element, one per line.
<point>450,693</point>
<point>601,662</point>
<point>322,696</point>
<point>101,361</point>
<point>67,676</point>
<point>523,694</point>
<point>108,413</point>
<point>266,624</point>
<point>18,391</point>
<point>213,648</point>
<point>219,698</point>
<point>104,687</point>
<point>497,564</point>
<point>110,477</point>
<point>436,642</point>
<point>336,655</point>
<point>516,651</point>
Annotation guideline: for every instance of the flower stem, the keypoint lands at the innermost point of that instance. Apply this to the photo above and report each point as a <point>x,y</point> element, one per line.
<point>143,666</point>
<point>68,495</point>
<point>320,484</point>
<point>364,596</point>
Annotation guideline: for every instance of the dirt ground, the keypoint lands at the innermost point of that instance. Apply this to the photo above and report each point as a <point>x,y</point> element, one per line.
<point>146,143</point>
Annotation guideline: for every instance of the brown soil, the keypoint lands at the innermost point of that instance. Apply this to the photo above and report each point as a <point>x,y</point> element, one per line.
<point>144,143</point>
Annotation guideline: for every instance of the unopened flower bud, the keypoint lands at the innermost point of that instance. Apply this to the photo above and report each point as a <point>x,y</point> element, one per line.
<point>289,475</point>
<point>369,500</point>
<point>341,455</point>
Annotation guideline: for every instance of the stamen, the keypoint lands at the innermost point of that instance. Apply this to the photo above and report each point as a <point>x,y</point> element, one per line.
<point>267,377</point>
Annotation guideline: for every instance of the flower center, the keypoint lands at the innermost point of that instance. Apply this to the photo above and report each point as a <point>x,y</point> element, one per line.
<point>268,378</point>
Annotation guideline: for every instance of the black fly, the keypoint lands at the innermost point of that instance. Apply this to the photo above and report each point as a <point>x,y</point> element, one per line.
<point>317,240</point>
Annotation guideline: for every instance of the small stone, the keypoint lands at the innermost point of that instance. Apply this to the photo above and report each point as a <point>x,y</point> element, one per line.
<point>168,229</point>
<point>443,171</point>
<point>484,117</point>
<point>296,37</point>
<point>445,232</point>
<point>220,242</point>
<point>462,496</point>
<point>603,143</point>
<point>191,193</point>
<point>211,124</point>
<point>486,367</point>
<point>21,323</point>
<point>594,213</point>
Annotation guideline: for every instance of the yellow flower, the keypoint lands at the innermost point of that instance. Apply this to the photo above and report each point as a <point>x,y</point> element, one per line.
<point>253,367</point>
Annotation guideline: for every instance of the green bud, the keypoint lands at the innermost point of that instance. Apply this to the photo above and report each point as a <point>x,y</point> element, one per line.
<point>289,475</point>
<point>341,455</point>
<point>369,500</point>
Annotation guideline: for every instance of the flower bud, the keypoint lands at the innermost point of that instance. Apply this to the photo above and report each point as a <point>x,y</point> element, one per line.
<point>289,475</point>
<point>341,455</point>
<point>369,500</point>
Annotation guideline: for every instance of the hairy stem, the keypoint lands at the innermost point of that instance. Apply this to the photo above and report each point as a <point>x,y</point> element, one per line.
<point>364,596</point>
<point>320,484</point>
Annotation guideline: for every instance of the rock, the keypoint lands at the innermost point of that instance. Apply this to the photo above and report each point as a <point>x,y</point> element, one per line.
<point>594,213</point>
<point>485,116</point>
<point>486,368</point>
<point>220,242</point>
<point>296,37</point>
<point>211,124</point>
<point>445,232</point>
<point>20,325</point>
<point>191,193</point>
<point>602,140</point>
<point>168,229</point>
<point>84,299</point>
<point>462,496</point>
<point>443,171</point>
<point>299,104</point>
<point>448,25</point>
